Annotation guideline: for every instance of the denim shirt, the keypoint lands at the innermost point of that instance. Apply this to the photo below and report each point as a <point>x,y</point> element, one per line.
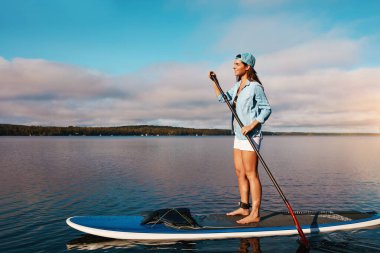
<point>251,104</point>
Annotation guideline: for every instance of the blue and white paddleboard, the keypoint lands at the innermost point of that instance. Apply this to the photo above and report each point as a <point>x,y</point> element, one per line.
<point>217,226</point>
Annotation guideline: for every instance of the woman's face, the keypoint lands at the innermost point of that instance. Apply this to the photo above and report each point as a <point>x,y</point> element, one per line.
<point>239,68</point>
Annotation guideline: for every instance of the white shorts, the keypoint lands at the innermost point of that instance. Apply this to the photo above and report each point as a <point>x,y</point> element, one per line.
<point>245,145</point>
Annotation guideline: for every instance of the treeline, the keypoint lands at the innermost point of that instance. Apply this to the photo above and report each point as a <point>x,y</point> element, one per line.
<point>318,134</point>
<point>21,130</point>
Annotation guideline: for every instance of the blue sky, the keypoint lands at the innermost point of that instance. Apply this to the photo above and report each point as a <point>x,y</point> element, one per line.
<point>128,62</point>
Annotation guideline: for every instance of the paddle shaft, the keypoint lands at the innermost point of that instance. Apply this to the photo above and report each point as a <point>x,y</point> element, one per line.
<point>290,209</point>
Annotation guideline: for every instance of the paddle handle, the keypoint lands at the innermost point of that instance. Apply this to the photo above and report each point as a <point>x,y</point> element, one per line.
<point>304,240</point>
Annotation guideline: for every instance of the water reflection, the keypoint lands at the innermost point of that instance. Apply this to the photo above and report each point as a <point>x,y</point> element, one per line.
<point>334,242</point>
<point>91,242</point>
<point>345,242</point>
<point>251,245</point>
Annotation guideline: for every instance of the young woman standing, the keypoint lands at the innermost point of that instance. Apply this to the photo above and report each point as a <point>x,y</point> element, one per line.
<point>252,107</point>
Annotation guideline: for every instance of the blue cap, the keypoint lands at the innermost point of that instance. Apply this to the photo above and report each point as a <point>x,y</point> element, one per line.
<point>247,58</point>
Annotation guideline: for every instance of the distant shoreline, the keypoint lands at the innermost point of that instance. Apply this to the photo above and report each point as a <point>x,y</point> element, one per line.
<point>140,130</point>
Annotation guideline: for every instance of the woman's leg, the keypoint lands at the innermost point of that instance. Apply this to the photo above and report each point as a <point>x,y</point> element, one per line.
<point>242,182</point>
<point>250,162</point>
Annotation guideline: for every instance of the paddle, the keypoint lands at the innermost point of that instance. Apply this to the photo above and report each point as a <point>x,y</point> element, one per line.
<point>304,240</point>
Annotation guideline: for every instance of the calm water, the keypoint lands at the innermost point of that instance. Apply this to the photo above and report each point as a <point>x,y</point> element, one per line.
<point>44,180</point>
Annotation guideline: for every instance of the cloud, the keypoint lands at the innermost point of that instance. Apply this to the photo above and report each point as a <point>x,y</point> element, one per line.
<point>266,34</point>
<point>48,93</point>
<point>316,54</point>
<point>292,42</point>
<point>313,80</point>
<point>40,79</point>
<point>327,99</point>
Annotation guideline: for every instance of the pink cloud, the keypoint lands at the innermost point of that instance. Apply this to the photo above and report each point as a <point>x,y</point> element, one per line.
<point>328,98</point>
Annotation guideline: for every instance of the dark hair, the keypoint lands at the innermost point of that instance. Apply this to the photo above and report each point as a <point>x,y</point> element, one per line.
<point>252,75</point>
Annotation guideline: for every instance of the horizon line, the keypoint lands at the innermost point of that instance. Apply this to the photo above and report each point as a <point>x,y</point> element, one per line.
<point>148,125</point>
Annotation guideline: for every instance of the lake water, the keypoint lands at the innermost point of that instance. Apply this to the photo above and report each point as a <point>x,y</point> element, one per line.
<point>44,180</point>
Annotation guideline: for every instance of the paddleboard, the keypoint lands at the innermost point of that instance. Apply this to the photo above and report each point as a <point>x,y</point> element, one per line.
<point>220,226</point>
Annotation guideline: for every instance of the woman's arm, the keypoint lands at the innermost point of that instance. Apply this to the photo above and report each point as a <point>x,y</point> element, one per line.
<point>263,104</point>
<point>229,93</point>
<point>264,110</point>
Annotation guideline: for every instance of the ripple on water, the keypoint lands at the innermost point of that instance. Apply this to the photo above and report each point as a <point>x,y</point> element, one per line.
<point>50,179</point>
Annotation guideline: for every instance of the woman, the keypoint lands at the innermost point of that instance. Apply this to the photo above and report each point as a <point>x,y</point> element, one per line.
<point>252,107</point>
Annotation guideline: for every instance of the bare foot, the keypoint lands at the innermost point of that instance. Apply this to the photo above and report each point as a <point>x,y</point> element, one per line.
<point>249,219</point>
<point>239,211</point>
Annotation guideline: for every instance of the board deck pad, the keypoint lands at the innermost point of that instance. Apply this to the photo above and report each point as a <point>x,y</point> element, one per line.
<point>276,219</point>
<point>220,226</point>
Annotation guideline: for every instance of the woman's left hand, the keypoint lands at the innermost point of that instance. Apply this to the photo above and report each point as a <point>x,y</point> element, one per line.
<point>246,129</point>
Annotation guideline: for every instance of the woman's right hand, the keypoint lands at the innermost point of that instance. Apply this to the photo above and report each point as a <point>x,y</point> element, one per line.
<point>212,76</point>
<point>211,73</point>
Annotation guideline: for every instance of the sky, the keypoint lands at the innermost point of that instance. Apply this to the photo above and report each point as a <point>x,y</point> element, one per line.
<point>116,62</point>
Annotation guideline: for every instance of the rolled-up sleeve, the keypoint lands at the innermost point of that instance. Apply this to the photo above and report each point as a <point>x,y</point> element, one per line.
<point>229,95</point>
<point>264,109</point>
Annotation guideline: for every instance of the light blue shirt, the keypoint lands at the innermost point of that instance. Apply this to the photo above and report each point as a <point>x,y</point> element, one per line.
<point>251,104</point>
